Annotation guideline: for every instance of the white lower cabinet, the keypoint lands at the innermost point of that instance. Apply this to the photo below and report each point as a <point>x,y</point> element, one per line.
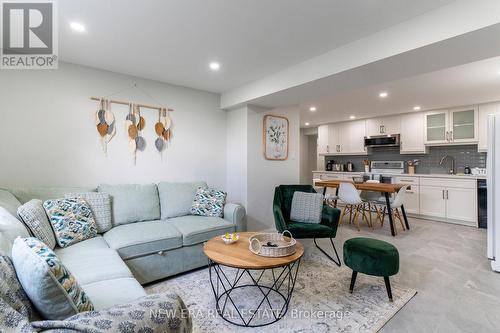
<point>412,195</point>
<point>432,201</point>
<point>449,199</point>
<point>461,205</point>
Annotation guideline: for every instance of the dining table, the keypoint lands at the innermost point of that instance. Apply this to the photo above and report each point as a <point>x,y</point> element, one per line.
<point>387,189</point>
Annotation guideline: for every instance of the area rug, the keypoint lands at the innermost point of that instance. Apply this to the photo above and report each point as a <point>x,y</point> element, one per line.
<point>321,301</point>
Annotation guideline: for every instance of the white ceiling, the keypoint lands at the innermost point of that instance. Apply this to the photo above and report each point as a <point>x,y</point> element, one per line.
<point>473,83</point>
<point>173,41</point>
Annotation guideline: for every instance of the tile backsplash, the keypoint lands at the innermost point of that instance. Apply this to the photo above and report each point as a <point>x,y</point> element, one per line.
<point>429,163</point>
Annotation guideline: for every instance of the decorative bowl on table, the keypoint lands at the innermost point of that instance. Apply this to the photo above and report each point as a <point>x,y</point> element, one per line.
<point>230,238</point>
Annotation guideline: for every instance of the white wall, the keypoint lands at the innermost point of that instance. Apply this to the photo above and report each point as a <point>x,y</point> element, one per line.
<point>48,136</point>
<point>265,175</point>
<point>308,158</point>
<point>237,155</point>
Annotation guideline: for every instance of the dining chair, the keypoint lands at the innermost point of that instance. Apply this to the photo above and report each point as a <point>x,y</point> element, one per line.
<point>354,205</point>
<point>330,199</point>
<point>371,200</point>
<point>396,204</point>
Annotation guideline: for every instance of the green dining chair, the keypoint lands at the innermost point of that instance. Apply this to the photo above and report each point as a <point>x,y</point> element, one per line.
<point>327,228</point>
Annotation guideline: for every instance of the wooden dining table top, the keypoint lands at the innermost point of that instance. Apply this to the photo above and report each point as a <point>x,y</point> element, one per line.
<point>375,187</point>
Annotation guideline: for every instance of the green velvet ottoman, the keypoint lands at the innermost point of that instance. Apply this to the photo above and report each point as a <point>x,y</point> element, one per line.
<point>373,257</point>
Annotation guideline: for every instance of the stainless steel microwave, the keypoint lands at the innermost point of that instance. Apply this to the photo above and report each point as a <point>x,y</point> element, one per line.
<point>390,140</point>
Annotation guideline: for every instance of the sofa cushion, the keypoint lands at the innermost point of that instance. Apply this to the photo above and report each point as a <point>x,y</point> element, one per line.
<point>10,229</point>
<point>94,265</point>
<point>35,218</point>
<point>208,202</point>
<point>97,242</point>
<point>9,202</point>
<point>71,219</point>
<point>108,293</point>
<point>198,229</point>
<point>142,238</point>
<point>100,204</point>
<point>51,287</point>
<point>25,194</point>
<point>176,198</point>
<point>133,203</point>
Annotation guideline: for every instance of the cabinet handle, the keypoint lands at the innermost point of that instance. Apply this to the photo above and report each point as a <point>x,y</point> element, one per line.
<point>447,136</point>
<point>447,195</point>
<point>442,193</point>
<point>451,136</point>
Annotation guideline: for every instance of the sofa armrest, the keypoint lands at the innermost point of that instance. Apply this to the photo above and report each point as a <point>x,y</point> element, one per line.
<point>154,313</point>
<point>235,214</point>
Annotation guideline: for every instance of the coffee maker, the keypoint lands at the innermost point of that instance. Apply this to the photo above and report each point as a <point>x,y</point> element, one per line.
<point>329,165</point>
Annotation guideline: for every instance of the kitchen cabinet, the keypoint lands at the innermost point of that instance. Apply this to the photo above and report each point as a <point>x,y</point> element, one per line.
<point>484,110</point>
<point>451,126</point>
<point>383,126</point>
<point>323,137</point>
<point>352,138</point>
<point>346,138</point>
<point>451,200</point>
<point>412,195</point>
<point>412,134</point>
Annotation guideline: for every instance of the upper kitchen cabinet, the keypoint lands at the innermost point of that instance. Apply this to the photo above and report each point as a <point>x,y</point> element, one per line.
<point>323,146</point>
<point>412,134</point>
<point>485,110</point>
<point>452,126</point>
<point>436,127</point>
<point>352,138</point>
<point>383,126</point>
<point>463,125</point>
<point>342,138</point>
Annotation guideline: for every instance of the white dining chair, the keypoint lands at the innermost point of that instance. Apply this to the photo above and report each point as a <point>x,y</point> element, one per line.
<point>354,205</point>
<point>330,199</point>
<point>396,204</point>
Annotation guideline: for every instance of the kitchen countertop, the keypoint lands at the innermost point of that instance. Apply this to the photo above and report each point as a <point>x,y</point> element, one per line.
<point>432,175</point>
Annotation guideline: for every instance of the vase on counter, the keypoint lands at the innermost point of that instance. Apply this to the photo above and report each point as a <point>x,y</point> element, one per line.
<point>367,168</point>
<point>411,169</point>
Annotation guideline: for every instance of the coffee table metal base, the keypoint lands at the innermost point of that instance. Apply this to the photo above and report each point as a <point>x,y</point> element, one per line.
<point>280,285</point>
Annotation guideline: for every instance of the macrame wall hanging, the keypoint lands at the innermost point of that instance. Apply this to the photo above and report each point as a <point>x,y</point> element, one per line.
<point>134,123</point>
<point>105,124</point>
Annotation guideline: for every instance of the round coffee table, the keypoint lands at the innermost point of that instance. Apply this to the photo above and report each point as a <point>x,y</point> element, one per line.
<point>237,276</point>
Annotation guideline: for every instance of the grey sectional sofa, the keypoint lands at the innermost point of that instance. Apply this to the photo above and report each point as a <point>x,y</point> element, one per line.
<point>153,237</point>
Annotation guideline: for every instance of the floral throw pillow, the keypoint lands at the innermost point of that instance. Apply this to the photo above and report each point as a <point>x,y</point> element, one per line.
<point>50,286</point>
<point>71,219</point>
<point>208,202</point>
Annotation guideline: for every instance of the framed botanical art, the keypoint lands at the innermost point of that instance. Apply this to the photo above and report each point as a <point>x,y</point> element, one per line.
<point>275,132</point>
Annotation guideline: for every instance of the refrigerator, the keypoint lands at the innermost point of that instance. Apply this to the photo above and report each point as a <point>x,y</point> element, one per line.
<point>493,190</point>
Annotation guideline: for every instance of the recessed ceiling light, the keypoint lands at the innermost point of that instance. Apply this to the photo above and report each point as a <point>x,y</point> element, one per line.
<point>352,117</point>
<point>312,108</point>
<point>383,94</point>
<point>307,124</point>
<point>416,108</point>
<point>215,66</point>
<point>77,26</point>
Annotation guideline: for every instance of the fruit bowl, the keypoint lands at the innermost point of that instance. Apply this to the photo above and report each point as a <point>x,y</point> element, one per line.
<point>230,238</point>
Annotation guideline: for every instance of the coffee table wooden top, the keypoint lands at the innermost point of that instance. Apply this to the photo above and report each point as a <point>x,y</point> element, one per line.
<point>238,254</point>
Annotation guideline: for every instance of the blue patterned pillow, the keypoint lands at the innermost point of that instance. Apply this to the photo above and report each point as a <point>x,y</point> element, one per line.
<point>71,219</point>
<point>52,289</point>
<point>208,202</point>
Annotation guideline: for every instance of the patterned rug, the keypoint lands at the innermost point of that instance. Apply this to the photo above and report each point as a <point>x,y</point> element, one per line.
<point>321,301</point>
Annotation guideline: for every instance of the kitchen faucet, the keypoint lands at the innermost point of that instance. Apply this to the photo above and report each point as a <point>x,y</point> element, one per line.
<point>452,170</point>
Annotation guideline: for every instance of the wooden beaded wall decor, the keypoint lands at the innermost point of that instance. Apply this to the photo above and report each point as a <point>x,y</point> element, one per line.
<point>135,123</point>
<point>105,124</point>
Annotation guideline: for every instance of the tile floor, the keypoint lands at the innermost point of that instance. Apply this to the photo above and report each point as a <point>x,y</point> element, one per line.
<point>447,265</point>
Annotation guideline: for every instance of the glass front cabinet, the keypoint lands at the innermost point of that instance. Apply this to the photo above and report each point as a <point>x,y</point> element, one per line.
<point>451,126</point>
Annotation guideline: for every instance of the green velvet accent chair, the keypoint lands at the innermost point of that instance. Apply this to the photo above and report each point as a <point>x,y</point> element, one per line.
<point>282,205</point>
<point>373,257</point>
